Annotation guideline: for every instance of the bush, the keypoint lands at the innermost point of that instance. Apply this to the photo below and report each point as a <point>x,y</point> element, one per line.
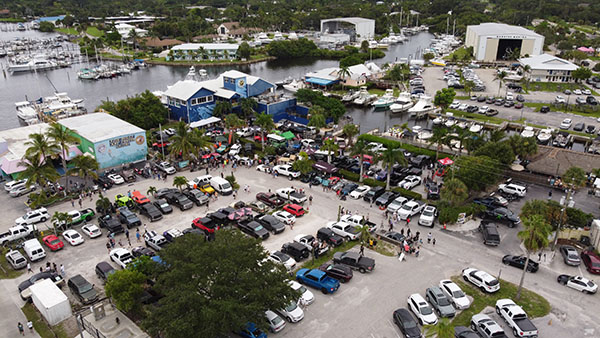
<point>449,214</point>
<point>373,183</point>
<point>349,175</point>
<point>407,193</point>
<point>231,180</point>
<point>578,218</point>
<point>396,144</point>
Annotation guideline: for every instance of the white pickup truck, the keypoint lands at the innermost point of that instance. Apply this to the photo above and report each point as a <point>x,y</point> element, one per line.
<point>516,318</point>
<point>358,220</point>
<point>409,209</point>
<point>308,241</point>
<point>291,195</point>
<point>17,232</point>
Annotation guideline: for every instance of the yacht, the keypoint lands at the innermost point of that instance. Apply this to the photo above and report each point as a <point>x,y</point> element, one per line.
<point>364,97</point>
<point>475,128</point>
<point>350,96</point>
<point>278,36</point>
<point>528,132</point>
<point>20,27</point>
<point>385,100</point>
<point>26,111</point>
<point>544,136</point>
<point>422,106</point>
<point>88,74</point>
<point>562,139</point>
<point>263,38</point>
<point>57,106</point>
<point>438,120</point>
<point>372,44</point>
<point>594,148</point>
<point>403,103</point>
<point>293,36</point>
<point>32,65</point>
<point>294,86</point>
<point>383,44</point>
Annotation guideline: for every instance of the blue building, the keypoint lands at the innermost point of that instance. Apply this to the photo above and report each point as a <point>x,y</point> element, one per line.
<point>190,100</point>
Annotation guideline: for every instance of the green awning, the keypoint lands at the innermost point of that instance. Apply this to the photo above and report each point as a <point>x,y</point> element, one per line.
<point>288,135</point>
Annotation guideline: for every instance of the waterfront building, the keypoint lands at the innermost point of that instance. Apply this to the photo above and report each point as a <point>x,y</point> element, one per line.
<point>233,30</point>
<point>359,75</point>
<point>497,41</point>
<point>52,19</point>
<point>357,29</point>
<point>548,68</point>
<point>204,51</point>
<point>154,42</point>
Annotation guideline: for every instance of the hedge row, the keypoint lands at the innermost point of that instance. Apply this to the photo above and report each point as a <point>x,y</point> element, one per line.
<point>407,193</point>
<point>396,144</point>
<point>349,175</point>
<point>449,214</point>
<point>374,183</point>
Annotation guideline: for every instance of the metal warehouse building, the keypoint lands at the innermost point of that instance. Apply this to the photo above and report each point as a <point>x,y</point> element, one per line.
<point>357,29</point>
<point>497,41</point>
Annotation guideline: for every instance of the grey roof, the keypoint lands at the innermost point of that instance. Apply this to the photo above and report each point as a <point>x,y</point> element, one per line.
<point>98,127</point>
<point>555,161</point>
<point>493,28</point>
<point>352,20</point>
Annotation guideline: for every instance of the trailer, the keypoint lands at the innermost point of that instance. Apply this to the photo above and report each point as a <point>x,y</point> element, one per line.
<point>52,303</point>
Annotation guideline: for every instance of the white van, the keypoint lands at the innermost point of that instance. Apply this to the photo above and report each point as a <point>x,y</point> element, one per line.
<point>8,186</point>
<point>199,181</point>
<point>33,249</point>
<point>221,185</point>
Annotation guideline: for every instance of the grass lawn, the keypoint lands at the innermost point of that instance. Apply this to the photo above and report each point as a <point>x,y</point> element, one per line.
<point>71,31</point>
<point>585,110</point>
<point>555,87</point>
<point>316,263</point>
<point>460,53</point>
<point>94,31</point>
<point>6,270</point>
<point>534,304</point>
<point>40,326</point>
<point>380,92</point>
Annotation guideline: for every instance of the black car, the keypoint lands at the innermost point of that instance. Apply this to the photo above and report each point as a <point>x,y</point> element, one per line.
<point>103,182</point>
<point>103,270</point>
<point>151,211</point>
<point>464,332</point>
<point>433,190</point>
<point>220,219</point>
<point>406,323</point>
<point>329,237</point>
<point>373,194</point>
<point>128,218</point>
<point>163,206</point>
<point>420,160</point>
<point>490,233</point>
<point>271,223</point>
<point>341,272</point>
<point>489,202</point>
<point>590,129</point>
<point>520,98</point>
<point>481,98</point>
<point>544,109</point>
<point>194,231</point>
<point>82,289</point>
<point>254,229</point>
<point>395,236</point>
<point>296,250</point>
<point>386,198</point>
<point>56,278</point>
<point>579,126</point>
<point>178,199</point>
<point>111,224</point>
<point>196,196</point>
<point>519,262</point>
<point>355,260</point>
<point>591,100</point>
<point>504,215</point>
<point>140,251</point>
<point>162,193</point>
<point>348,188</point>
<point>490,100</point>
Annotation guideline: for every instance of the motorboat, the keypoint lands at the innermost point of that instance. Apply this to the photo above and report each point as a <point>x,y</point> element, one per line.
<point>364,97</point>
<point>403,103</point>
<point>528,132</point>
<point>385,100</point>
<point>278,36</point>
<point>562,139</point>
<point>438,62</point>
<point>88,74</point>
<point>383,45</point>
<point>32,65</point>
<point>294,86</point>
<point>422,106</point>
<point>293,36</point>
<point>462,124</point>
<point>26,111</point>
<point>544,136</point>
<point>450,122</point>
<point>57,106</point>
<point>475,128</point>
<point>283,82</point>
<point>350,96</point>
<point>437,121</point>
<point>425,134</point>
<point>263,38</point>
<point>372,44</point>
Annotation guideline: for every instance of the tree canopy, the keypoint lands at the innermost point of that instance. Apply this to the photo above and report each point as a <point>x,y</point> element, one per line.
<point>477,172</point>
<point>333,108</point>
<point>144,110</point>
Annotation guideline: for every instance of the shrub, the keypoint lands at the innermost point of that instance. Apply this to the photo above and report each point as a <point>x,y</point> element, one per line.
<point>578,218</point>
<point>373,183</point>
<point>349,175</point>
<point>395,144</point>
<point>231,180</point>
<point>449,214</point>
<point>407,193</point>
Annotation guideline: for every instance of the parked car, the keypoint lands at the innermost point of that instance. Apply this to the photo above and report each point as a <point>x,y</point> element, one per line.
<point>16,259</point>
<point>254,229</point>
<point>464,332</point>
<point>196,196</point>
<point>296,250</point>
<point>341,272</point>
<point>396,236</point>
<point>385,199</point>
<point>360,191</point>
<point>155,241</point>
<point>103,270</point>
<point>516,318</point>
<point>570,255</point>
<point>140,251</point>
<point>171,234</point>
<point>151,211</point>
<point>270,199</point>
<point>410,209</point>
<point>91,230</point>
<point>566,124</point>
<point>457,297</point>
<point>490,233</point>
<point>251,331</point>
<point>513,189</point>
<point>82,289</point>
<point>53,243</point>
<point>206,224</point>
<point>285,217</point>
<point>73,237</point>
<point>294,209</point>
<point>128,218</point>
<point>329,237</point>
<point>317,279</point>
<point>591,261</point>
<point>504,215</point>
<point>121,257</point>
<point>578,283</point>
<point>373,194</point>
<point>33,217</point>
<point>519,262</point>
<point>421,310</point>
<point>23,287</point>
<point>280,258</point>
<point>116,179</point>
<point>438,300</point>
<point>271,223</point>
<point>164,206</point>
<point>406,323</point>
<point>276,324</point>
<point>355,260</point>
<point>293,313</point>
<point>286,170</point>
<point>344,230</point>
<point>166,168</point>
<point>428,216</point>
<point>486,327</point>
<point>481,279</point>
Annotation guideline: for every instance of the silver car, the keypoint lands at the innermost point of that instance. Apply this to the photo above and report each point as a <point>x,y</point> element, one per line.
<point>570,255</point>
<point>438,300</point>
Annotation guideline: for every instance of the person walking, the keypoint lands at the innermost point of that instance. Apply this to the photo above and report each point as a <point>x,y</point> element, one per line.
<point>310,198</point>
<point>127,233</point>
<point>429,235</point>
<point>362,250</point>
<point>29,268</point>
<point>30,326</point>
<point>20,327</point>
<point>550,194</point>
<point>433,242</point>
<point>407,221</point>
<point>137,234</point>
<point>62,270</point>
<point>108,246</point>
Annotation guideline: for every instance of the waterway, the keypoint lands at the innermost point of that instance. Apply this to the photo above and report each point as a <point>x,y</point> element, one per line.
<point>21,86</point>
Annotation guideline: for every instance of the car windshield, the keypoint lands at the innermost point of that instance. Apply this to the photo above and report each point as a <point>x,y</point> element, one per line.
<point>226,186</point>
<point>595,265</point>
<point>428,213</point>
<point>54,241</point>
<point>443,301</point>
<point>407,207</point>
<point>590,284</point>
<point>258,228</point>
<point>126,257</point>
<point>74,236</point>
<point>426,310</point>
<point>458,294</point>
<point>492,282</point>
<point>276,321</point>
<point>302,290</point>
<point>409,324</point>
<point>291,307</point>
<point>85,288</point>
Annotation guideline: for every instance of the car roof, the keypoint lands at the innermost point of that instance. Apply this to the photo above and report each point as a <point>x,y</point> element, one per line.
<point>316,273</point>
<point>404,314</point>
<point>78,280</point>
<point>104,266</point>
<point>418,298</point>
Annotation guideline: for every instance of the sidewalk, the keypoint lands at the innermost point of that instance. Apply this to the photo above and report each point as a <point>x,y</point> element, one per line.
<point>11,314</point>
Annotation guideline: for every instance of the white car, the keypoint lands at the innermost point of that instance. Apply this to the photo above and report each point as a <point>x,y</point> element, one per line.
<point>410,209</point>
<point>376,147</point>
<point>166,167</point>
<point>483,109</point>
<point>308,143</point>
<point>481,279</point>
<point>513,189</point>
<point>578,283</point>
<point>276,324</point>
<point>283,259</point>
<point>8,186</point>
<point>428,215</point>
<point>566,124</point>
<point>397,204</point>
<point>285,217</point>
<point>455,294</point>
<point>586,92</point>
<point>245,132</point>
<point>560,100</point>
<point>116,179</point>
<point>463,107</point>
<point>121,256</point>
<point>22,189</point>
<point>235,149</point>
<point>410,182</point>
<point>486,326</point>
<point>307,295</point>
<point>264,168</point>
<point>455,104</point>
<point>91,230</point>
<point>286,170</point>
<point>73,237</point>
<point>422,310</point>
<point>344,230</point>
<point>293,313</point>
<point>360,192</point>
<point>577,92</point>
<point>33,216</point>
<point>170,131</point>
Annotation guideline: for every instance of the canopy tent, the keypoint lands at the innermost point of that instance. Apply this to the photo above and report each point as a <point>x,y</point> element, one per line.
<point>586,49</point>
<point>325,167</point>
<point>288,135</point>
<point>204,122</point>
<point>446,161</point>
<point>320,82</point>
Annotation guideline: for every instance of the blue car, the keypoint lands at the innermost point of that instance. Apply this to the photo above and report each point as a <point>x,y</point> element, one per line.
<point>381,175</point>
<point>318,280</point>
<point>251,331</point>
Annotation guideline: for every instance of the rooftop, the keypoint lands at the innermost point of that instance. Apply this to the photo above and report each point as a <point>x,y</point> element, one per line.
<point>494,28</point>
<point>548,62</point>
<point>98,127</point>
<point>555,161</point>
<point>12,141</point>
<point>352,20</point>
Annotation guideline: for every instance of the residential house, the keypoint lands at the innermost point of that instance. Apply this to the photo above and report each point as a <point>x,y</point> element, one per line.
<point>233,30</point>
<point>124,30</point>
<point>204,51</point>
<point>358,75</point>
<point>548,68</point>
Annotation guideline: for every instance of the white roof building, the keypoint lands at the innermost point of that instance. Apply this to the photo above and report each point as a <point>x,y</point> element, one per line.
<point>125,29</point>
<point>211,51</point>
<point>549,68</point>
<point>363,29</point>
<point>231,47</point>
<point>493,41</point>
<point>98,127</point>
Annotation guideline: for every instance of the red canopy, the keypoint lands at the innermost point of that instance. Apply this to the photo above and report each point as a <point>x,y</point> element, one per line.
<point>446,161</point>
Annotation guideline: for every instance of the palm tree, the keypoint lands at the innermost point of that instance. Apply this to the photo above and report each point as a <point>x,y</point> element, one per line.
<point>500,76</point>
<point>103,205</point>
<point>364,233</point>
<point>151,190</point>
<point>469,85</point>
<point>454,191</point>
<point>222,108</point>
<point>350,130</point>
<point>330,146</point>
<point>232,122</point>
<point>37,172</point>
<point>180,182</point>
<point>496,135</point>
<point>461,136</point>
<point>342,74</point>
<point>40,146</point>
<point>84,167</point>
<point>361,149</point>
<point>182,141</point>
<point>438,138</point>
<point>443,329</point>
<point>265,122</point>
<point>534,237</point>
<point>60,219</point>
<point>201,140</point>
<point>133,35</point>
<point>526,73</point>
<point>62,138</point>
<point>389,157</point>
<point>248,105</point>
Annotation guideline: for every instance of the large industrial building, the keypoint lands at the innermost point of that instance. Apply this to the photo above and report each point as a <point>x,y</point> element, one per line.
<point>357,29</point>
<point>497,41</point>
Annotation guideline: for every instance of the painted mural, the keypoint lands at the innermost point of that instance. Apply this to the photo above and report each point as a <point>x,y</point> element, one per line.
<point>123,149</point>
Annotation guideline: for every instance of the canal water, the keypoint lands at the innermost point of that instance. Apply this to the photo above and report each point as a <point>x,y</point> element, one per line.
<point>20,86</point>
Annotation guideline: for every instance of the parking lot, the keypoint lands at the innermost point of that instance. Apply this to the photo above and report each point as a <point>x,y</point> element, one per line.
<point>363,307</point>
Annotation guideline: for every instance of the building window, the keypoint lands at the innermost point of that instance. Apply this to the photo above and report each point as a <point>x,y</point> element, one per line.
<point>209,98</point>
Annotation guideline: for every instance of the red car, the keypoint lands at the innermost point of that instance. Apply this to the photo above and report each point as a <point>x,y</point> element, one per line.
<point>333,180</point>
<point>591,261</point>
<point>53,242</point>
<point>138,198</point>
<point>257,138</point>
<point>294,209</point>
<point>205,224</point>
<point>269,199</point>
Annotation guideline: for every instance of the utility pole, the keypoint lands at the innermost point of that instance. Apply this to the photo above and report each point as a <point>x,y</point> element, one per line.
<point>562,215</point>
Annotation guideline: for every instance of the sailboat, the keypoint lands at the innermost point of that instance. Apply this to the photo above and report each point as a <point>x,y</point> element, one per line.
<point>403,103</point>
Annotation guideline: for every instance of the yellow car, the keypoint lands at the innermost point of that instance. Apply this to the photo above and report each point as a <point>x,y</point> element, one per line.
<point>207,189</point>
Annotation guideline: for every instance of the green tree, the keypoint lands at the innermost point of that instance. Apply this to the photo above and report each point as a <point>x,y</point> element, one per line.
<point>60,220</point>
<point>151,190</point>
<point>343,73</point>
<point>46,27</point>
<point>443,329</point>
<point>500,76</point>
<point>62,138</point>
<point>581,73</point>
<point>523,147</point>
<point>304,164</point>
<point>37,172</point>
<point>350,130</point>
<point>222,108</point>
<point>389,157</point>
<point>180,182</point>
<point>182,142</point>
<point>317,120</point>
<point>476,172</point>
<point>244,51</point>
<point>575,177</point>
<point>84,167</point>
<point>232,121</point>
<point>40,146</point>
<point>454,191</point>
<point>439,138</point>
<point>468,87</point>
<point>202,141</point>
<point>351,60</point>
<point>103,205</point>
<point>444,98</point>
<point>428,56</point>
<point>360,149</point>
<point>206,281</point>
<point>144,110</point>
<point>266,124</point>
<point>364,46</point>
<point>500,151</point>
<point>534,207</point>
<point>526,74</point>
<point>534,237</point>
<point>330,146</point>
<point>496,135</point>
<point>248,106</point>
<point>126,288</point>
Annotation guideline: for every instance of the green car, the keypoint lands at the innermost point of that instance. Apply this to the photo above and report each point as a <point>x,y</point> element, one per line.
<point>222,149</point>
<point>124,201</point>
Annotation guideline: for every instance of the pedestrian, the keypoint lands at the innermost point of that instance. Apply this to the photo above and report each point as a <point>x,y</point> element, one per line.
<point>112,243</point>
<point>429,235</point>
<point>62,270</point>
<point>385,213</point>
<point>433,242</point>
<point>371,204</point>
<point>550,194</point>
<point>30,326</point>
<point>417,235</point>
<point>402,232</point>
<point>407,221</point>
<point>391,226</point>
<point>54,267</point>
<point>362,250</point>
<point>540,256</point>
<point>544,256</point>
<point>29,268</point>
<point>127,233</point>
<point>292,226</point>
<point>128,241</point>
<point>108,246</point>
<point>73,205</point>
<point>80,202</point>
<point>137,234</point>
<point>222,175</point>
<point>310,198</point>
<point>41,269</point>
<point>20,327</point>
<point>417,252</point>
<point>408,232</point>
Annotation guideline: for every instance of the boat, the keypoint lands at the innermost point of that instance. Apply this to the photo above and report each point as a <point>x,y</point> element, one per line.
<point>544,136</point>
<point>26,111</point>
<point>88,74</point>
<point>462,124</point>
<point>422,106</point>
<point>372,44</point>
<point>438,62</point>
<point>425,134</point>
<point>350,96</point>
<point>528,132</point>
<point>293,36</point>
<point>57,106</point>
<point>32,65</point>
<point>562,139</point>
<point>438,120</point>
<point>20,27</point>
<point>364,97</point>
<point>450,122</point>
<point>403,103</point>
<point>263,38</point>
<point>475,128</point>
<point>202,73</point>
<point>385,100</point>
<point>294,86</point>
<point>3,53</point>
<point>383,45</point>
